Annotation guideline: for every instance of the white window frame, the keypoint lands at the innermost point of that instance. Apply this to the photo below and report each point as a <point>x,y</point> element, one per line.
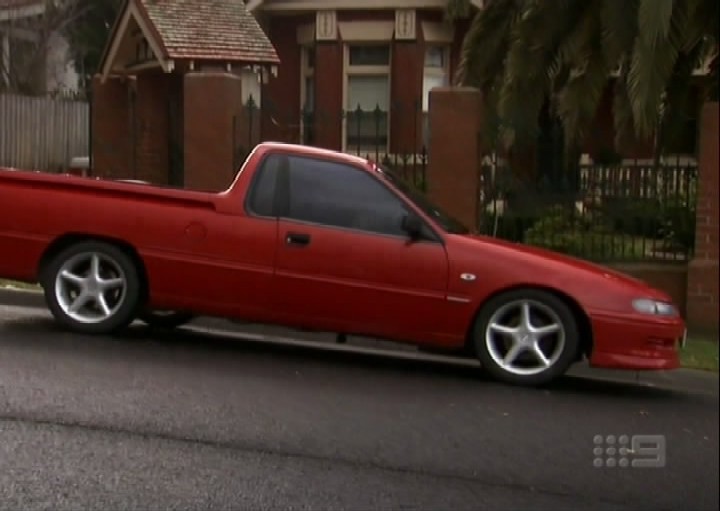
<point>306,71</point>
<point>349,71</point>
<point>433,72</point>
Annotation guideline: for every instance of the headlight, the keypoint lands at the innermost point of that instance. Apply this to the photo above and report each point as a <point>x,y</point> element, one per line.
<point>654,307</point>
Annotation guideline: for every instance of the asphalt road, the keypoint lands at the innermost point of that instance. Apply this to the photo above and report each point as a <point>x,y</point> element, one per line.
<point>207,421</point>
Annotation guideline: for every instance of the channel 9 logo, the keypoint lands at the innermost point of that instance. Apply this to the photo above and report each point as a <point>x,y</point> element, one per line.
<point>636,451</point>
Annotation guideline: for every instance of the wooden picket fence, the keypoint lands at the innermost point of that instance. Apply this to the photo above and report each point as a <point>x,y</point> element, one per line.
<point>42,133</point>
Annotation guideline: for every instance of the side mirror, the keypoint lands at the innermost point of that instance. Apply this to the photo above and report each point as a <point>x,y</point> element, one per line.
<point>413,225</point>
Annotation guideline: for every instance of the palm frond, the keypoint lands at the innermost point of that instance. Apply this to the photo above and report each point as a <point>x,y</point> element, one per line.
<point>703,28</point>
<point>655,18</point>
<point>622,106</point>
<point>578,100</point>
<point>486,43</point>
<point>619,28</point>
<point>677,105</point>
<point>653,59</point>
<point>534,46</point>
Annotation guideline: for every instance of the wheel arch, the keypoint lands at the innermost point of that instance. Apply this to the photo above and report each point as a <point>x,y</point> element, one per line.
<point>583,319</point>
<point>69,239</point>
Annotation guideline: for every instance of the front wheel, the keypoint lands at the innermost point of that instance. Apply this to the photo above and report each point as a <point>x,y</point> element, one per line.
<point>92,288</point>
<point>166,320</point>
<point>526,337</point>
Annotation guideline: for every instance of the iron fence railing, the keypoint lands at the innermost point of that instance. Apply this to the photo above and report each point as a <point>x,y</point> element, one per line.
<point>635,211</point>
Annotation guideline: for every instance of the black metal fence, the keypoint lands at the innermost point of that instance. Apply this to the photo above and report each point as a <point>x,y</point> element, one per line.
<point>363,132</point>
<point>632,211</point>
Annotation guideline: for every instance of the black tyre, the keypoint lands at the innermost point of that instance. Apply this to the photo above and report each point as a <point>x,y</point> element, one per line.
<point>526,337</point>
<point>92,287</point>
<point>165,320</point>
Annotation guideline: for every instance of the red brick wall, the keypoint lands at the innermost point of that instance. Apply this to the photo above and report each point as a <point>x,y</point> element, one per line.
<point>152,127</point>
<point>111,149</point>
<point>452,174</point>
<point>131,140</point>
<point>281,95</point>
<point>328,94</point>
<point>702,297</point>
<point>406,84</point>
<point>671,278</point>
<point>212,99</point>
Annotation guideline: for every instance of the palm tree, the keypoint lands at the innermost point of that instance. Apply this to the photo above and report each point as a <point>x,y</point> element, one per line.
<point>529,54</point>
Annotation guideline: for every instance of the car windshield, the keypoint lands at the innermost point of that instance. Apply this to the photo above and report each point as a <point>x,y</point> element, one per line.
<point>448,223</point>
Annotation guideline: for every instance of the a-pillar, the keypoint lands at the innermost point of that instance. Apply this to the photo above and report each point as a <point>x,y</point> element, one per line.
<point>453,173</point>
<point>702,294</point>
<point>213,129</point>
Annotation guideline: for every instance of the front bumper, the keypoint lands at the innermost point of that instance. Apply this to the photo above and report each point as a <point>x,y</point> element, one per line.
<point>637,342</point>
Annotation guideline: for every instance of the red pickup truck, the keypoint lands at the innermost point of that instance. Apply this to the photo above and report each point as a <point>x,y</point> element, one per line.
<point>320,240</point>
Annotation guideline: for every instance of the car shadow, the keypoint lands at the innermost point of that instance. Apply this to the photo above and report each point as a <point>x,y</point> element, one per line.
<point>45,334</point>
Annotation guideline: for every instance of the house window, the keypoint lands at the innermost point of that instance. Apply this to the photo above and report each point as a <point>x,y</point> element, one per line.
<point>307,94</point>
<point>367,98</point>
<point>435,74</point>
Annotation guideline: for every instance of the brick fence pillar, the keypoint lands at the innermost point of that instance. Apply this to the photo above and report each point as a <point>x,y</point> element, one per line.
<point>453,174</point>
<point>151,127</point>
<point>702,293</point>
<point>111,139</point>
<point>212,101</point>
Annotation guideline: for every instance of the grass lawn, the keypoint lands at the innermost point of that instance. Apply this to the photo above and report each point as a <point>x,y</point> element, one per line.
<point>700,354</point>
<point>18,285</point>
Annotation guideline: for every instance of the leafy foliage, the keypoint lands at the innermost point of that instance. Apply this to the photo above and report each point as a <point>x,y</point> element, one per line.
<point>585,236</point>
<point>33,35</point>
<point>522,53</point>
<point>89,32</point>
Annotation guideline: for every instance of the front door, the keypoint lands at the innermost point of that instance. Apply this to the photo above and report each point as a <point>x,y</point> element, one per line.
<point>344,263</point>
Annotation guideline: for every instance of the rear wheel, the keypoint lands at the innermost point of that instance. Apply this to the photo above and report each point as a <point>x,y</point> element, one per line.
<point>92,287</point>
<point>165,320</point>
<point>526,337</point>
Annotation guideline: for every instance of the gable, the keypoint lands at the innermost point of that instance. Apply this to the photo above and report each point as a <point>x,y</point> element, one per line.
<point>157,33</point>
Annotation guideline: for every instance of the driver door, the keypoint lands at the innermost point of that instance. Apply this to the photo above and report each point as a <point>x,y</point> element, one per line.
<point>343,261</point>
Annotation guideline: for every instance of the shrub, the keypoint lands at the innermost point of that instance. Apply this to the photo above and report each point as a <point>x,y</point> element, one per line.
<point>584,236</point>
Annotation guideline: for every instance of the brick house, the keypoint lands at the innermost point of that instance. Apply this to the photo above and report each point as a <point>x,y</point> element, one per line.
<point>383,57</point>
<point>171,84</point>
<point>336,56</point>
<point>350,75</point>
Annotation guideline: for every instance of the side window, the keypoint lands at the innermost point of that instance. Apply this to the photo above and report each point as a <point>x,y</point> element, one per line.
<point>262,190</point>
<point>339,195</point>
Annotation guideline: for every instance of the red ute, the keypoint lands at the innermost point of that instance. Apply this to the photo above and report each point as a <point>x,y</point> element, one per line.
<point>325,241</point>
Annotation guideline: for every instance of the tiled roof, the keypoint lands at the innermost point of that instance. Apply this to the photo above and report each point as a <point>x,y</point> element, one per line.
<point>209,29</point>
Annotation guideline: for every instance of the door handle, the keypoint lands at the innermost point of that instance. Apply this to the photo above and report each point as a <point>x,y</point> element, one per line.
<point>293,238</point>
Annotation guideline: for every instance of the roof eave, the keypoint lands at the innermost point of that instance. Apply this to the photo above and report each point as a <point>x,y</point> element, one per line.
<point>183,58</point>
<point>315,5</point>
<point>134,9</point>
